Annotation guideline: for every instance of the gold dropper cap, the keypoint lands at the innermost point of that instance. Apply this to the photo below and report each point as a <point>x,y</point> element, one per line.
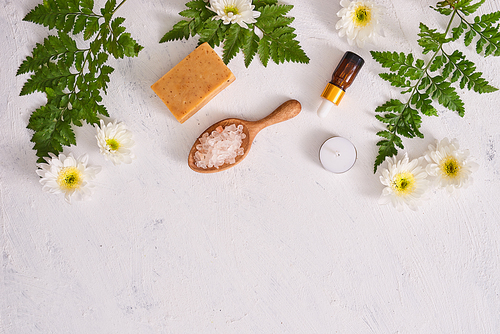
<point>333,93</point>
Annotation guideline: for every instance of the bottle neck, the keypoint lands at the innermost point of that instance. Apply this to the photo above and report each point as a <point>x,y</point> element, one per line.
<point>333,93</point>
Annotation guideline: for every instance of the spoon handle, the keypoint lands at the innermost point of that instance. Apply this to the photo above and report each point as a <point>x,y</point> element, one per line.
<point>287,110</point>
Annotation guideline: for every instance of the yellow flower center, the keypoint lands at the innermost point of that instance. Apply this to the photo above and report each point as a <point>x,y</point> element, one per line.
<point>403,183</point>
<point>231,9</point>
<point>113,144</point>
<point>450,167</point>
<point>362,16</point>
<point>69,178</point>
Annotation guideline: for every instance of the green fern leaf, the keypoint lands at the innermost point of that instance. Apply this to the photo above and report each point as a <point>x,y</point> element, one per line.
<point>430,39</point>
<point>424,104</point>
<point>72,78</point>
<point>264,50</point>
<point>250,46</point>
<point>54,48</point>
<point>464,70</point>
<point>396,80</point>
<point>469,9</point>
<point>446,95</point>
<point>458,31</point>
<point>277,43</point>
<point>50,131</point>
<point>180,30</point>
<point>211,34</point>
<point>270,13</point>
<point>405,119</point>
<point>414,122</point>
<point>50,75</point>
<point>233,43</point>
<point>387,147</point>
<point>400,63</point>
<point>437,63</point>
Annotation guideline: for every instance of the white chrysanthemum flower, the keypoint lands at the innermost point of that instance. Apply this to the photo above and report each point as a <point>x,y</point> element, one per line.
<point>65,174</point>
<point>360,21</point>
<point>115,142</point>
<point>451,166</point>
<point>405,183</point>
<point>234,11</point>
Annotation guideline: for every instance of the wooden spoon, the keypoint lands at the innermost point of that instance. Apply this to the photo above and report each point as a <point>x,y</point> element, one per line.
<point>287,110</point>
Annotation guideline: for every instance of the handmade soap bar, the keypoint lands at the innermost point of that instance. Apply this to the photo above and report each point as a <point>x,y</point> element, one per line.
<point>193,82</point>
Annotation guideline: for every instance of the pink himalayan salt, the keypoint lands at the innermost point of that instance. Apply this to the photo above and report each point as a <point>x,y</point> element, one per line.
<point>220,147</point>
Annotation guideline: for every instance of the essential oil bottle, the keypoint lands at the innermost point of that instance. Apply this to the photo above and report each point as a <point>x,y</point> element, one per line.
<point>342,78</point>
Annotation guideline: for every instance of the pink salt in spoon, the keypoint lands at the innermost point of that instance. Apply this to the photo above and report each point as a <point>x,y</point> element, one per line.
<point>284,112</point>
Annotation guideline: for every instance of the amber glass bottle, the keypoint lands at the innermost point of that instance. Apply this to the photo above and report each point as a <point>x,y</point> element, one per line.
<point>342,78</point>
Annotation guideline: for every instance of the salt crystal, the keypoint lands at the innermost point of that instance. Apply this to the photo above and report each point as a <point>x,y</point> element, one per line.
<point>220,147</point>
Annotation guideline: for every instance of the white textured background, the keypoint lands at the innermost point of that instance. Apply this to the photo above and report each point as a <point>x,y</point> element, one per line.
<point>276,244</point>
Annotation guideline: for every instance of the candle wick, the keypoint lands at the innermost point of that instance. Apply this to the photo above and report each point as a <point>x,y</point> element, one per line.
<point>336,153</point>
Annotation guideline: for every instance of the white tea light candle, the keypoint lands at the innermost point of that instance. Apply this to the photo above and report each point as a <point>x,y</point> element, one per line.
<point>337,155</point>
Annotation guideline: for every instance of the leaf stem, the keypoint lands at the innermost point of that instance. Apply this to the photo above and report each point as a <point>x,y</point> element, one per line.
<point>117,7</point>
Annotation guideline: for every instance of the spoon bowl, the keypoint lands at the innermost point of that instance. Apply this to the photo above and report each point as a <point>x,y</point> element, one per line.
<point>287,110</point>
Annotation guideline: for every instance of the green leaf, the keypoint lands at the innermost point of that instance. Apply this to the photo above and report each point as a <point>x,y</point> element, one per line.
<point>211,33</point>
<point>424,104</point>
<point>50,75</point>
<point>446,95</point>
<point>130,47</point>
<point>278,40</point>
<point>116,26</point>
<point>197,4</point>
<point>468,9</point>
<point>414,121</point>
<point>391,105</point>
<point>179,31</point>
<point>280,44</point>
<point>395,79</point>
<point>201,7</point>
<point>79,25</point>
<point>190,13</point>
<point>250,46</point>
<point>91,28</point>
<point>87,6</point>
<point>400,63</point>
<point>387,147</point>
<point>430,39</point>
<point>64,15</point>
<point>234,41</point>
<point>465,71</point>
<point>483,27</point>
<point>264,50</point>
<point>469,36</point>
<point>108,9</point>
<point>443,10</point>
<point>437,63</point>
<point>458,30</point>
<point>103,78</point>
<point>72,78</point>
<point>403,119</point>
<point>54,48</point>
<point>270,13</point>
<point>388,118</point>
<point>51,132</point>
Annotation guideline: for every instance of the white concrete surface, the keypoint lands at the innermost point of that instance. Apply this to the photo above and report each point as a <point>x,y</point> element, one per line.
<point>276,244</point>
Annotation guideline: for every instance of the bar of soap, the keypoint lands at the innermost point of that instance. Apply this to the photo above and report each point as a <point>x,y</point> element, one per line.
<point>193,82</point>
